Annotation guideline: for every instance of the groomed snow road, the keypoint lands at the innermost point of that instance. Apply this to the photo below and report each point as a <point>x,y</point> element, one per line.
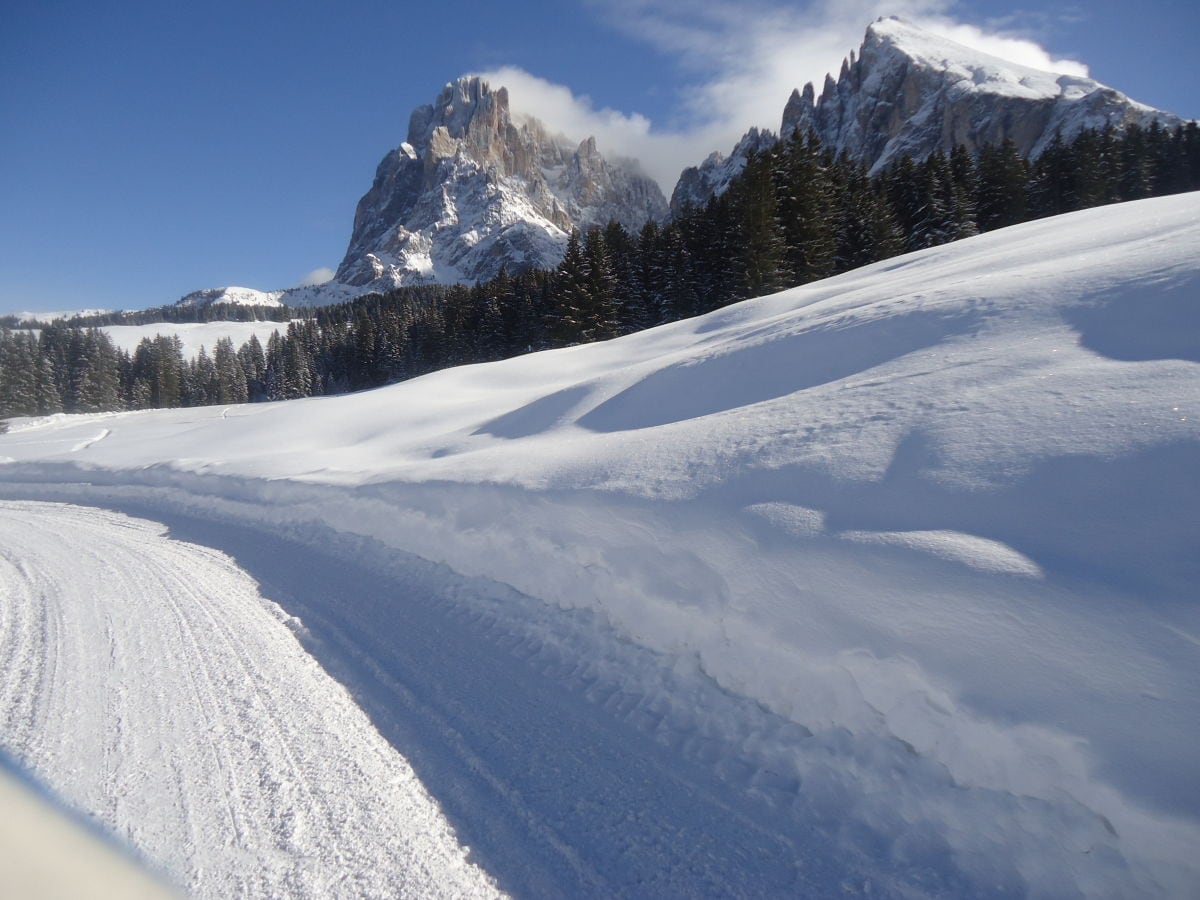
<point>150,685</point>
<point>148,681</point>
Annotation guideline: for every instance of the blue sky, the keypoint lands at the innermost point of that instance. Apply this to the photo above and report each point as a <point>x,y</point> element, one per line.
<point>148,149</point>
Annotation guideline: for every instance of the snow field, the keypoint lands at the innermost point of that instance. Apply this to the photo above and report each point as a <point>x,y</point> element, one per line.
<point>194,335</point>
<point>929,526</point>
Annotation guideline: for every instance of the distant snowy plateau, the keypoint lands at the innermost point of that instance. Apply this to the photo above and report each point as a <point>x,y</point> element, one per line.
<point>882,586</point>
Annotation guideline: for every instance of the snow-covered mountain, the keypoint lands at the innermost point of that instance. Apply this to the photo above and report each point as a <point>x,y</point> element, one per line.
<point>236,296</point>
<point>884,585</point>
<point>476,187</point>
<point>712,177</point>
<point>910,91</point>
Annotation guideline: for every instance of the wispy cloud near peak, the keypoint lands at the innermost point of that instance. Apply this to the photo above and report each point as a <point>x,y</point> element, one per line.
<point>740,62</point>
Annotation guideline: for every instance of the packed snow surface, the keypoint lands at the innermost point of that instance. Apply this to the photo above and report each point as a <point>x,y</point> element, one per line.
<point>157,689</point>
<point>883,585</point>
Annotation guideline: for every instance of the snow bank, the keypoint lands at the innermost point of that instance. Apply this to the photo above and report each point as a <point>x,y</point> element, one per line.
<point>940,513</point>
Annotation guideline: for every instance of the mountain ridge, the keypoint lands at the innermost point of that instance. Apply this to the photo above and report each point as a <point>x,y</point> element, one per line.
<point>909,91</point>
<point>477,187</point>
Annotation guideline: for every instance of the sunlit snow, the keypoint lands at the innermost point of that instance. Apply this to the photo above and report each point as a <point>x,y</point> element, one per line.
<point>904,561</point>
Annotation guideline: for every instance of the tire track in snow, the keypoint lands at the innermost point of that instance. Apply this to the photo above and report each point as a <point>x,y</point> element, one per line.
<point>148,682</point>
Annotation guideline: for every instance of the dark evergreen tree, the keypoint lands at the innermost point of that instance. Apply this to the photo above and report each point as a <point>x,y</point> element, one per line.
<point>763,265</point>
<point>964,178</point>
<point>806,207</point>
<point>680,296</point>
<point>1052,188</point>
<point>1135,175</point>
<point>865,223</point>
<point>567,318</point>
<point>92,377</point>
<point>1003,187</point>
<point>602,320</point>
<point>1096,166</point>
<point>254,368</point>
<point>231,378</point>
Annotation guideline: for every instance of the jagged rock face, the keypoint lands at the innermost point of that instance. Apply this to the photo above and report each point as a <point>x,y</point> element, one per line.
<point>913,92</point>
<point>909,91</point>
<point>710,179</point>
<point>476,187</point>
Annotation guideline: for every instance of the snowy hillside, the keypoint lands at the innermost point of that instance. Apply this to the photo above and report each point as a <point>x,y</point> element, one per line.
<point>194,335</point>
<point>881,586</point>
<point>235,296</point>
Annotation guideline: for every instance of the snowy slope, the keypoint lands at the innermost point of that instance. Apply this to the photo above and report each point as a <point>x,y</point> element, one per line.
<point>194,335</point>
<point>60,314</point>
<point>928,528</point>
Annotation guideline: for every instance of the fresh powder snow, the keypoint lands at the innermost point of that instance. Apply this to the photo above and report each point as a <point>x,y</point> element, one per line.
<point>884,585</point>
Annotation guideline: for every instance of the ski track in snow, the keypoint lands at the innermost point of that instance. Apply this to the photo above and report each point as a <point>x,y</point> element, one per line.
<point>156,689</point>
<point>83,445</point>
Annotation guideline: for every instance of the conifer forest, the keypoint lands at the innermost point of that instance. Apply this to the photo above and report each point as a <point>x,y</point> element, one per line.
<point>795,214</point>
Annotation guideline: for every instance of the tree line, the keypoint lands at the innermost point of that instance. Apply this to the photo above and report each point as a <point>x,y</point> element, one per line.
<point>795,213</point>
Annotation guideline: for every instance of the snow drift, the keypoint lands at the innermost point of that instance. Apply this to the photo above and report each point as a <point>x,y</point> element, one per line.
<point>939,515</point>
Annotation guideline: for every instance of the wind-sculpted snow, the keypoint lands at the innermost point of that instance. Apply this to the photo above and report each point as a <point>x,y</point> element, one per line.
<point>921,596</point>
<point>1159,323</point>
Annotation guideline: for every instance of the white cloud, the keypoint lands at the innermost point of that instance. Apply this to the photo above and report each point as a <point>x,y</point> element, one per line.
<point>316,276</point>
<point>740,61</point>
<point>662,154</point>
<point>1014,49</point>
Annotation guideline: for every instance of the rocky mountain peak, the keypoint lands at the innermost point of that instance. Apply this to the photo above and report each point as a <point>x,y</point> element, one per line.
<point>798,112</point>
<point>912,91</point>
<point>476,187</point>
<point>909,91</point>
<point>463,106</point>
